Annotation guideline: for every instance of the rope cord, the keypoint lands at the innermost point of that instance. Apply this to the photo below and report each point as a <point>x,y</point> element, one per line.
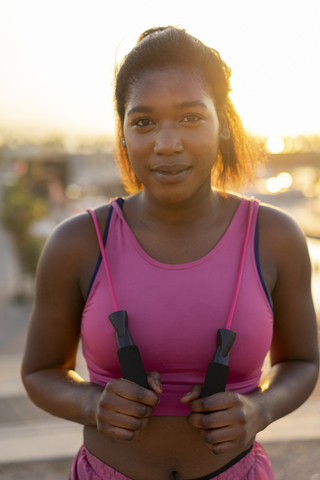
<point>104,258</point>
<point>241,264</point>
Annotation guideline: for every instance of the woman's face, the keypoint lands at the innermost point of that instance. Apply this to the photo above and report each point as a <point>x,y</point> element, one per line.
<point>172,133</point>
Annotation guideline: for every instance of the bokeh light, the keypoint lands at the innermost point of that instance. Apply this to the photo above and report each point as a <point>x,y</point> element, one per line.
<point>73,191</point>
<point>284,180</point>
<point>275,145</point>
<point>280,183</point>
<point>272,185</point>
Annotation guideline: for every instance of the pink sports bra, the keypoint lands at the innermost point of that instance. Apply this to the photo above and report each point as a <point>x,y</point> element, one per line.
<point>174,311</point>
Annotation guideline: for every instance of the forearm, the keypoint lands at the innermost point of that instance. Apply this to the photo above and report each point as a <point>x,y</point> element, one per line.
<point>288,386</point>
<point>65,394</point>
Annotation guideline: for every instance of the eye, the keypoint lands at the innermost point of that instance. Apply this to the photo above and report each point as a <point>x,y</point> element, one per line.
<point>191,119</point>
<point>143,122</point>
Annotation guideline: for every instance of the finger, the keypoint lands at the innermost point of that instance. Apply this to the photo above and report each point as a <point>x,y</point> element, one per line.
<point>194,393</point>
<point>219,419</point>
<point>223,440</point>
<point>119,433</point>
<point>120,420</point>
<point>209,420</point>
<point>226,435</point>
<point>154,381</point>
<point>134,409</point>
<point>225,447</point>
<point>195,420</point>
<point>218,401</point>
<point>132,391</point>
<point>116,404</point>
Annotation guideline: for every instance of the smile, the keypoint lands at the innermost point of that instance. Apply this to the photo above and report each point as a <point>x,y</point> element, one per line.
<point>171,173</point>
<point>170,168</point>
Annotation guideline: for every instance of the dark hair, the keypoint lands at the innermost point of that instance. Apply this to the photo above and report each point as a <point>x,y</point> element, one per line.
<point>164,46</point>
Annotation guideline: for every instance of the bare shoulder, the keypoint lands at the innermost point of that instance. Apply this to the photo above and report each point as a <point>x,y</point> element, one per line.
<point>70,255</point>
<point>79,227</point>
<point>271,215</point>
<point>74,235</point>
<point>278,226</point>
<point>282,243</point>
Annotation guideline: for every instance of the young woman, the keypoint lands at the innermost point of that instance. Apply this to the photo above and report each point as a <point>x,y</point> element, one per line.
<point>186,258</point>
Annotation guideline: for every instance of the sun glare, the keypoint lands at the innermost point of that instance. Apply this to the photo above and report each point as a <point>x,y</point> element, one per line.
<point>57,60</point>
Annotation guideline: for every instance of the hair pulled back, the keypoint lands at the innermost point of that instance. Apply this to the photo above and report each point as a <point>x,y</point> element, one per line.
<point>167,46</point>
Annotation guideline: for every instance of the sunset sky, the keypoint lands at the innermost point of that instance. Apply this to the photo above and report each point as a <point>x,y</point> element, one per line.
<point>57,57</point>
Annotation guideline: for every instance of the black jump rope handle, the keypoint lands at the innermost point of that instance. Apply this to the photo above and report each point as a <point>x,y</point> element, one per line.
<point>216,379</point>
<point>128,353</point>
<point>218,370</point>
<point>132,366</point>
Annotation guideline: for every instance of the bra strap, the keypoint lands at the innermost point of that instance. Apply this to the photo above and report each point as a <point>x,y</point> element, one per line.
<point>241,264</point>
<point>104,258</point>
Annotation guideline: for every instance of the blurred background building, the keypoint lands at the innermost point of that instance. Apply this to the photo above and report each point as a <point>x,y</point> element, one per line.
<point>42,184</point>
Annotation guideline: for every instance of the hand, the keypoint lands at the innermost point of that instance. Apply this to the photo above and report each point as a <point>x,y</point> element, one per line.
<point>227,421</point>
<point>125,408</point>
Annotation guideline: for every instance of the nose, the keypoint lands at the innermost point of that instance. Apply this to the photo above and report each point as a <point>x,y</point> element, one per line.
<point>167,142</point>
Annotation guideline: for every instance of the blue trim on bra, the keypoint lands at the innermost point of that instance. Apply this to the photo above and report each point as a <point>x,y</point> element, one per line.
<point>256,255</point>
<point>104,238</point>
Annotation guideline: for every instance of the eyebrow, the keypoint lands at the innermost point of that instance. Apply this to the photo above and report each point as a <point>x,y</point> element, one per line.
<point>193,103</point>
<point>140,109</point>
<point>146,109</point>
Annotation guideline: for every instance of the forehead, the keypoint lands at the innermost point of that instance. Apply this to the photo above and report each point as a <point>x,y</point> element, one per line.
<point>163,84</point>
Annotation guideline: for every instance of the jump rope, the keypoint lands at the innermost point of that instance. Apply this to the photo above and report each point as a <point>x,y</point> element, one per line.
<point>128,353</point>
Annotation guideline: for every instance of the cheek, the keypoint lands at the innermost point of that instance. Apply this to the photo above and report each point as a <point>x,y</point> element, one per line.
<point>136,157</point>
<point>207,149</point>
<point>139,151</point>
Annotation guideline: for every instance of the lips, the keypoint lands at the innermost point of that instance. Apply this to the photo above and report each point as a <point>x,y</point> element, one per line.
<point>170,168</point>
<point>171,173</point>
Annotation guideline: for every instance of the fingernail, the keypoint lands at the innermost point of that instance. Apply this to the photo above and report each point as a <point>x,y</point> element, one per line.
<point>158,385</point>
<point>187,394</point>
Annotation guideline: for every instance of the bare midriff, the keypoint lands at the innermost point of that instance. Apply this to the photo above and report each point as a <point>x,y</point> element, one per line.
<point>168,448</point>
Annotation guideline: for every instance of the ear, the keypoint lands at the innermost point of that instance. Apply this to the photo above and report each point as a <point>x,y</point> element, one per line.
<point>224,128</point>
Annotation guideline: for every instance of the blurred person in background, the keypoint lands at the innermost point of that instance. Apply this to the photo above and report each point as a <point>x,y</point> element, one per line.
<point>187,257</point>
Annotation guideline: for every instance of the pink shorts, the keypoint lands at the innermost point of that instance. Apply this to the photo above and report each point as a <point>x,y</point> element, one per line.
<point>254,466</point>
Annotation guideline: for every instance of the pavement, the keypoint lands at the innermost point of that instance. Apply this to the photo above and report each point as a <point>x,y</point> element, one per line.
<point>34,445</point>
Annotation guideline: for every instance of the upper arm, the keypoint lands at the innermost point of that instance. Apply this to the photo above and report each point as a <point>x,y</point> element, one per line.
<point>295,327</point>
<point>54,328</point>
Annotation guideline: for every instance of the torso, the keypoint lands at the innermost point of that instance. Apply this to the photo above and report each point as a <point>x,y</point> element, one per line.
<point>168,447</point>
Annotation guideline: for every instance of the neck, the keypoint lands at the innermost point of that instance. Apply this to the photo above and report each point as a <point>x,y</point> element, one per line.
<point>192,210</point>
